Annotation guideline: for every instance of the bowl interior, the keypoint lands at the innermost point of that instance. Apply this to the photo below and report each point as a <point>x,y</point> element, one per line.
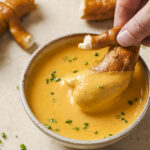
<point>35,59</point>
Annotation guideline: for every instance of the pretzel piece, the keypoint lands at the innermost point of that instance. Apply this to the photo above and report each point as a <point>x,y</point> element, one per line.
<point>118,58</point>
<point>98,9</point>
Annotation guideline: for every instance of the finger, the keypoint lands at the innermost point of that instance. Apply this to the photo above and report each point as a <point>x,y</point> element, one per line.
<point>136,29</point>
<point>142,4</point>
<point>146,41</point>
<point>125,10</point>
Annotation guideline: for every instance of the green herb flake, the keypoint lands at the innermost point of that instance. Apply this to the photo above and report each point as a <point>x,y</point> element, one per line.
<point>54,100</point>
<point>136,99</point>
<point>110,135</point>
<point>97,61</point>
<point>130,102</point>
<point>17,87</point>
<point>54,71</point>
<point>58,79</point>
<point>101,86</point>
<point>86,124</point>
<point>118,116</point>
<point>122,119</point>
<point>84,128</point>
<point>67,59</point>
<point>47,126</point>
<point>16,136</point>
<point>68,121</point>
<point>0,141</point>
<point>122,113</point>
<point>96,132</point>
<point>22,147</point>
<point>47,81</point>
<point>3,135</point>
<point>52,77</point>
<point>52,93</point>
<point>56,129</point>
<point>52,120</point>
<point>75,58</point>
<point>86,63</point>
<point>75,71</point>
<point>126,121</point>
<point>96,54</point>
<point>76,128</point>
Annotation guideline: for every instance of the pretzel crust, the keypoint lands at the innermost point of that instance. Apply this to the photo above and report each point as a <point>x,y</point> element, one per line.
<point>10,11</point>
<point>98,9</point>
<point>118,58</point>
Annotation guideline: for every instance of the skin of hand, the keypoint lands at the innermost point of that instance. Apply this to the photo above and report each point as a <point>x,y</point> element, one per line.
<point>134,17</point>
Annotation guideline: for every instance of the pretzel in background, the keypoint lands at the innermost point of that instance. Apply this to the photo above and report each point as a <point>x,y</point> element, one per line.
<point>10,12</point>
<point>93,10</point>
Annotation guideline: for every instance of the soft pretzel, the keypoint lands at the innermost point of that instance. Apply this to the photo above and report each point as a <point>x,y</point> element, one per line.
<point>118,58</point>
<point>10,11</point>
<point>98,9</point>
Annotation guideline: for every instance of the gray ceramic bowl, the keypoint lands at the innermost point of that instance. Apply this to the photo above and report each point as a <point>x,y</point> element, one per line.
<point>79,144</point>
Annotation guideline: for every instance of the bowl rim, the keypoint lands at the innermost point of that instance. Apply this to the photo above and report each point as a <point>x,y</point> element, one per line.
<point>62,138</point>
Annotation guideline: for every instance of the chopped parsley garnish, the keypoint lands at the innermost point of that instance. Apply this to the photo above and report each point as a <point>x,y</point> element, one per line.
<point>52,120</point>
<point>47,81</point>
<point>54,100</point>
<point>58,79</point>
<point>52,93</point>
<point>76,128</point>
<point>75,71</point>
<point>136,99</point>
<point>86,63</point>
<point>56,129</point>
<point>84,128</point>
<point>16,136</point>
<point>17,87</point>
<point>96,54</point>
<point>86,124</point>
<point>0,141</point>
<point>68,121</point>
<point>96,132</point>
<point>3,135</point>
<point>52,77</point>
<point>126,121</point>
<point>122,113</point>
<point>48,126</point>
<point>70,60</point>
<point>130,102</point>
<point>97,61</point>
<point>110,135</point>
<point>75,58</point>
<point>122,119</point>
<point>54,71</point>
<point>101,86</point>
<point>22,147</point>
<point>118,116</point>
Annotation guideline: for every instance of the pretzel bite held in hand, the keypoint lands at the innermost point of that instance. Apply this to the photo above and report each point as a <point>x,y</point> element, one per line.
<point>95,89</point>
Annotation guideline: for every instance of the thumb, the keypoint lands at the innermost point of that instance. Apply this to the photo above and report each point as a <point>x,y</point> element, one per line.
<point>136,29</point>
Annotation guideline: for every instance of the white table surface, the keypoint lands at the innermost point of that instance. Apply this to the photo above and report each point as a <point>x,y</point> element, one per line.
<point>52,19</point>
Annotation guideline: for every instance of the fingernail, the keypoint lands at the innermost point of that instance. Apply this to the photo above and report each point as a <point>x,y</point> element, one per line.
<point>125,39</point>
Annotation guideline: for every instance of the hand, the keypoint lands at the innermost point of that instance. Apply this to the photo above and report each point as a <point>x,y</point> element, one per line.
<point>134,17</point>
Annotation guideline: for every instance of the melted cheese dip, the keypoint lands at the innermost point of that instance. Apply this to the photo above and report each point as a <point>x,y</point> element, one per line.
<point>50,99</point>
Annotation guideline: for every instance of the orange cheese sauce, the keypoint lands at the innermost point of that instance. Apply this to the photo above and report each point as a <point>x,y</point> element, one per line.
<point>50,100</point>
